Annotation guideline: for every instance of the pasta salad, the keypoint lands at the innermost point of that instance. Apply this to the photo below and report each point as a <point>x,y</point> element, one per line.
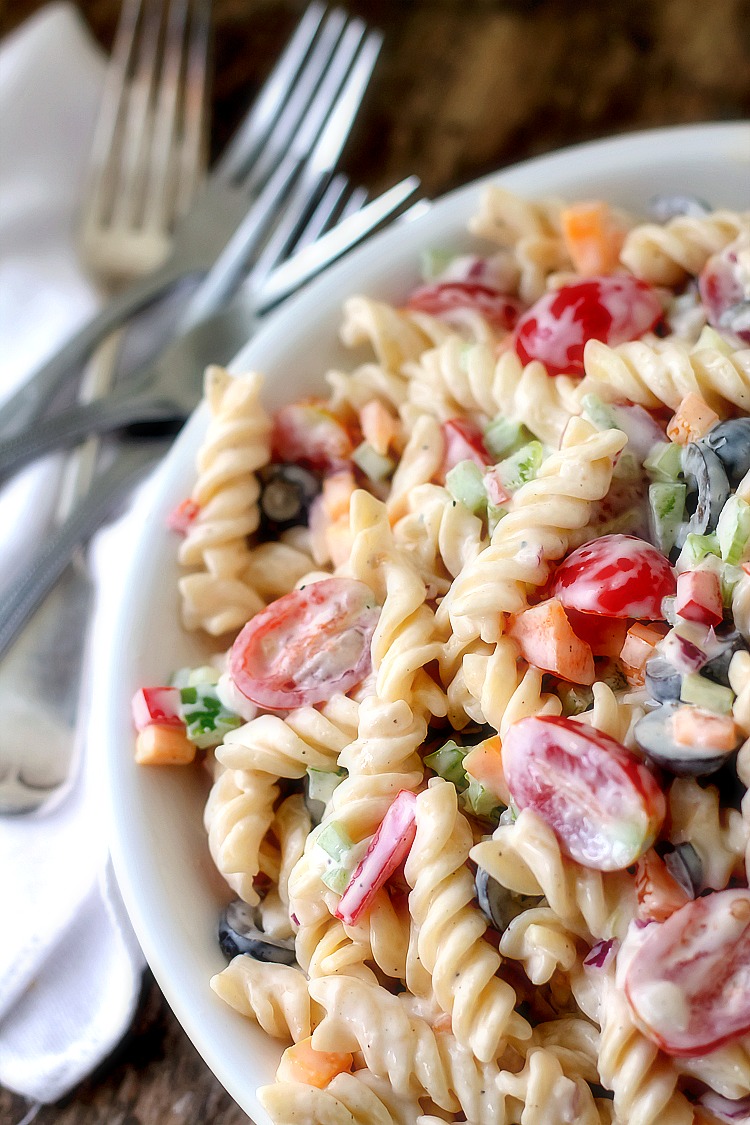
<point>475,727</point>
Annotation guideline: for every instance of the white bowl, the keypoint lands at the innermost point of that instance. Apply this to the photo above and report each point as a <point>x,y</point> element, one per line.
<point>158,843</point>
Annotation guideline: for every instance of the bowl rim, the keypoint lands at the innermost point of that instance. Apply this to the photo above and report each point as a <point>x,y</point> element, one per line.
<point>651,149</point>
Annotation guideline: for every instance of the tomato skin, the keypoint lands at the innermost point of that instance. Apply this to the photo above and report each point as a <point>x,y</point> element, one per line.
<point>616,576</point>
<point>723,288</point>
<point>611,309</point>
<point>308,434</point>
<point>307,645</point>
<point>463,442</point>
<point>701,956</point>
<point>182,518</point>
<point>603,804</point>
<point>442,298</point>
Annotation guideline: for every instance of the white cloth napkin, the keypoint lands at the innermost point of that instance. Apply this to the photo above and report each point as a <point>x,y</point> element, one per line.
<point>70,966</point>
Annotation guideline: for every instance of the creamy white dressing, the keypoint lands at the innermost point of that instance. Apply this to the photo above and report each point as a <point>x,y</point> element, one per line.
<point>662,1004</point>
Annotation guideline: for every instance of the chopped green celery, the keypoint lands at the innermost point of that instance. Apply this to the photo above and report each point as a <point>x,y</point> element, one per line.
<point>667,503</point>
<point>206,718</point>
<point>466,484</point>
<point>695,549</point>
<point>733,530</point>
<point>336,878</point>
<point>710,338</point>
<point>435,263</point>
<point>480,802</point>
<point>522,466</point>
<point>335,841</point>
<point>706,694</point>
<point>664,462</point>
<point>598,413</point>
<point>729,577</point>
<point>321,783</point>
<point>448,763</point>
<point>503,437</point>
<point>373,464</point>
<point>627,468</point>
<point>575,699</point>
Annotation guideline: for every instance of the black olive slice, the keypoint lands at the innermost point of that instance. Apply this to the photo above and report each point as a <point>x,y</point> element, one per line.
<point>653,733</point>
<point>240,932</point>
<point>730,441</point>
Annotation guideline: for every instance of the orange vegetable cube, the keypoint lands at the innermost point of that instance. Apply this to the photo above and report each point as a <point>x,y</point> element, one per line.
<point>593,237</point>
<point>692,419</point>
<point>163,746</point>
<point>379,427</point>
<point>485,764</point>
<point>639,645</point>
<point>692,726</point>
<point>546,639</point>
<point>301,1063</point>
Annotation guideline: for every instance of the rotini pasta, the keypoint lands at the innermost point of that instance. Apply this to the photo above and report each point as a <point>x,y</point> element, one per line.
<point>480,749</point>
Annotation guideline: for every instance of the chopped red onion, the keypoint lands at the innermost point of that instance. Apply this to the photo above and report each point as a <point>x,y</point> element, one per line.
<point>602,954</point>
<point>727,1109</point>
<point>683,654</point>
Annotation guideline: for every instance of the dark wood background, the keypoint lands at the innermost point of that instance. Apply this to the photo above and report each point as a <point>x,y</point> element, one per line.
<point>462,87</point>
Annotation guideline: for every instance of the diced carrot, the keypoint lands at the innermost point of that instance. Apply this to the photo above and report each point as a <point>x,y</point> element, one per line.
<point>593,237</point>
<point>659,894</point>
<point>692,726</point>
<point>604,635</point>
<point>638,646</point>
<point>547,641</point>
<point>301,1063</point>
<point>692,420</point>
<point>337,493</point>
<point>163,746</point>
<point>379,427</point>
<point>485,764</point>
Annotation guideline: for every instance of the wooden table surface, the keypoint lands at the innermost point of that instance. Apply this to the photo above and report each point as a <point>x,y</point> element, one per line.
<point>462,87</point>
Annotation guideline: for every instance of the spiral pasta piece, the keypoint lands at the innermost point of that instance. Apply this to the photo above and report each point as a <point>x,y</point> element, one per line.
<point>458,378</point>
<point>420,461</point>
<point>237,444</point>
<point>533,534</point>
<point>718,834</point>
<point>666,255</point>
<point>450,928</point>
<point>541,942</point>
<point>308,737</point>
<point>275,996</point>
<point>525,857</point>
<point>396,336</point>
<point>405,638</point>
<point>611,716</point>
<point>349,1099</point>
<point>238,814</point>
<point>662,373</point>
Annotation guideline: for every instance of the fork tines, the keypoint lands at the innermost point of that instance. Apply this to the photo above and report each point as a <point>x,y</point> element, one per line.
<point>150,137</point>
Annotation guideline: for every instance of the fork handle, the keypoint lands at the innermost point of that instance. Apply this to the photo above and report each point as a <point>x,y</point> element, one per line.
<point>31,399</point>
<point>45,568</point>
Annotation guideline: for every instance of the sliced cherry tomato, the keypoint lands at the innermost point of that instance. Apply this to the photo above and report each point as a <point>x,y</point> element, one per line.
<point>603,804</point>
<point>616,576</point>
<point>444,298</point>
<point>182,518</point>
<point>687,982</point>
<point>725,290</point>
<point>610,309</point>
<point>388,849</point>
<point>307,433</point>
<point>307,645</point>
<point>463,442</point>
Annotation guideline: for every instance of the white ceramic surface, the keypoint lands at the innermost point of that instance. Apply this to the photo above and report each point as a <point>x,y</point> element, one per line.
<point>158,843</point>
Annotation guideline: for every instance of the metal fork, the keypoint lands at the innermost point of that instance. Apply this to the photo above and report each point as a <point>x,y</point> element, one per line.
<point>328,63</point>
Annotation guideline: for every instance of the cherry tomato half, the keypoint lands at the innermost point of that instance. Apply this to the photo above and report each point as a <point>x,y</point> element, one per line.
<point>463,442</point>
<point>444,298</point>
<point>616,576</point>
<point>307,645</point>
<point>603,805</point>
<point>610,309</point>
<point>307,433</point>
<point>687,982</point>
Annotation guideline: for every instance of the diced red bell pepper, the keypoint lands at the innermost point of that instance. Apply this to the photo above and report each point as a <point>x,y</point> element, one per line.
<point>463,442</point>
<point>157,706</point>
<point>496,492</point>
<point>388,849</point>
<point>699,597</point>
<point>181,518</point>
